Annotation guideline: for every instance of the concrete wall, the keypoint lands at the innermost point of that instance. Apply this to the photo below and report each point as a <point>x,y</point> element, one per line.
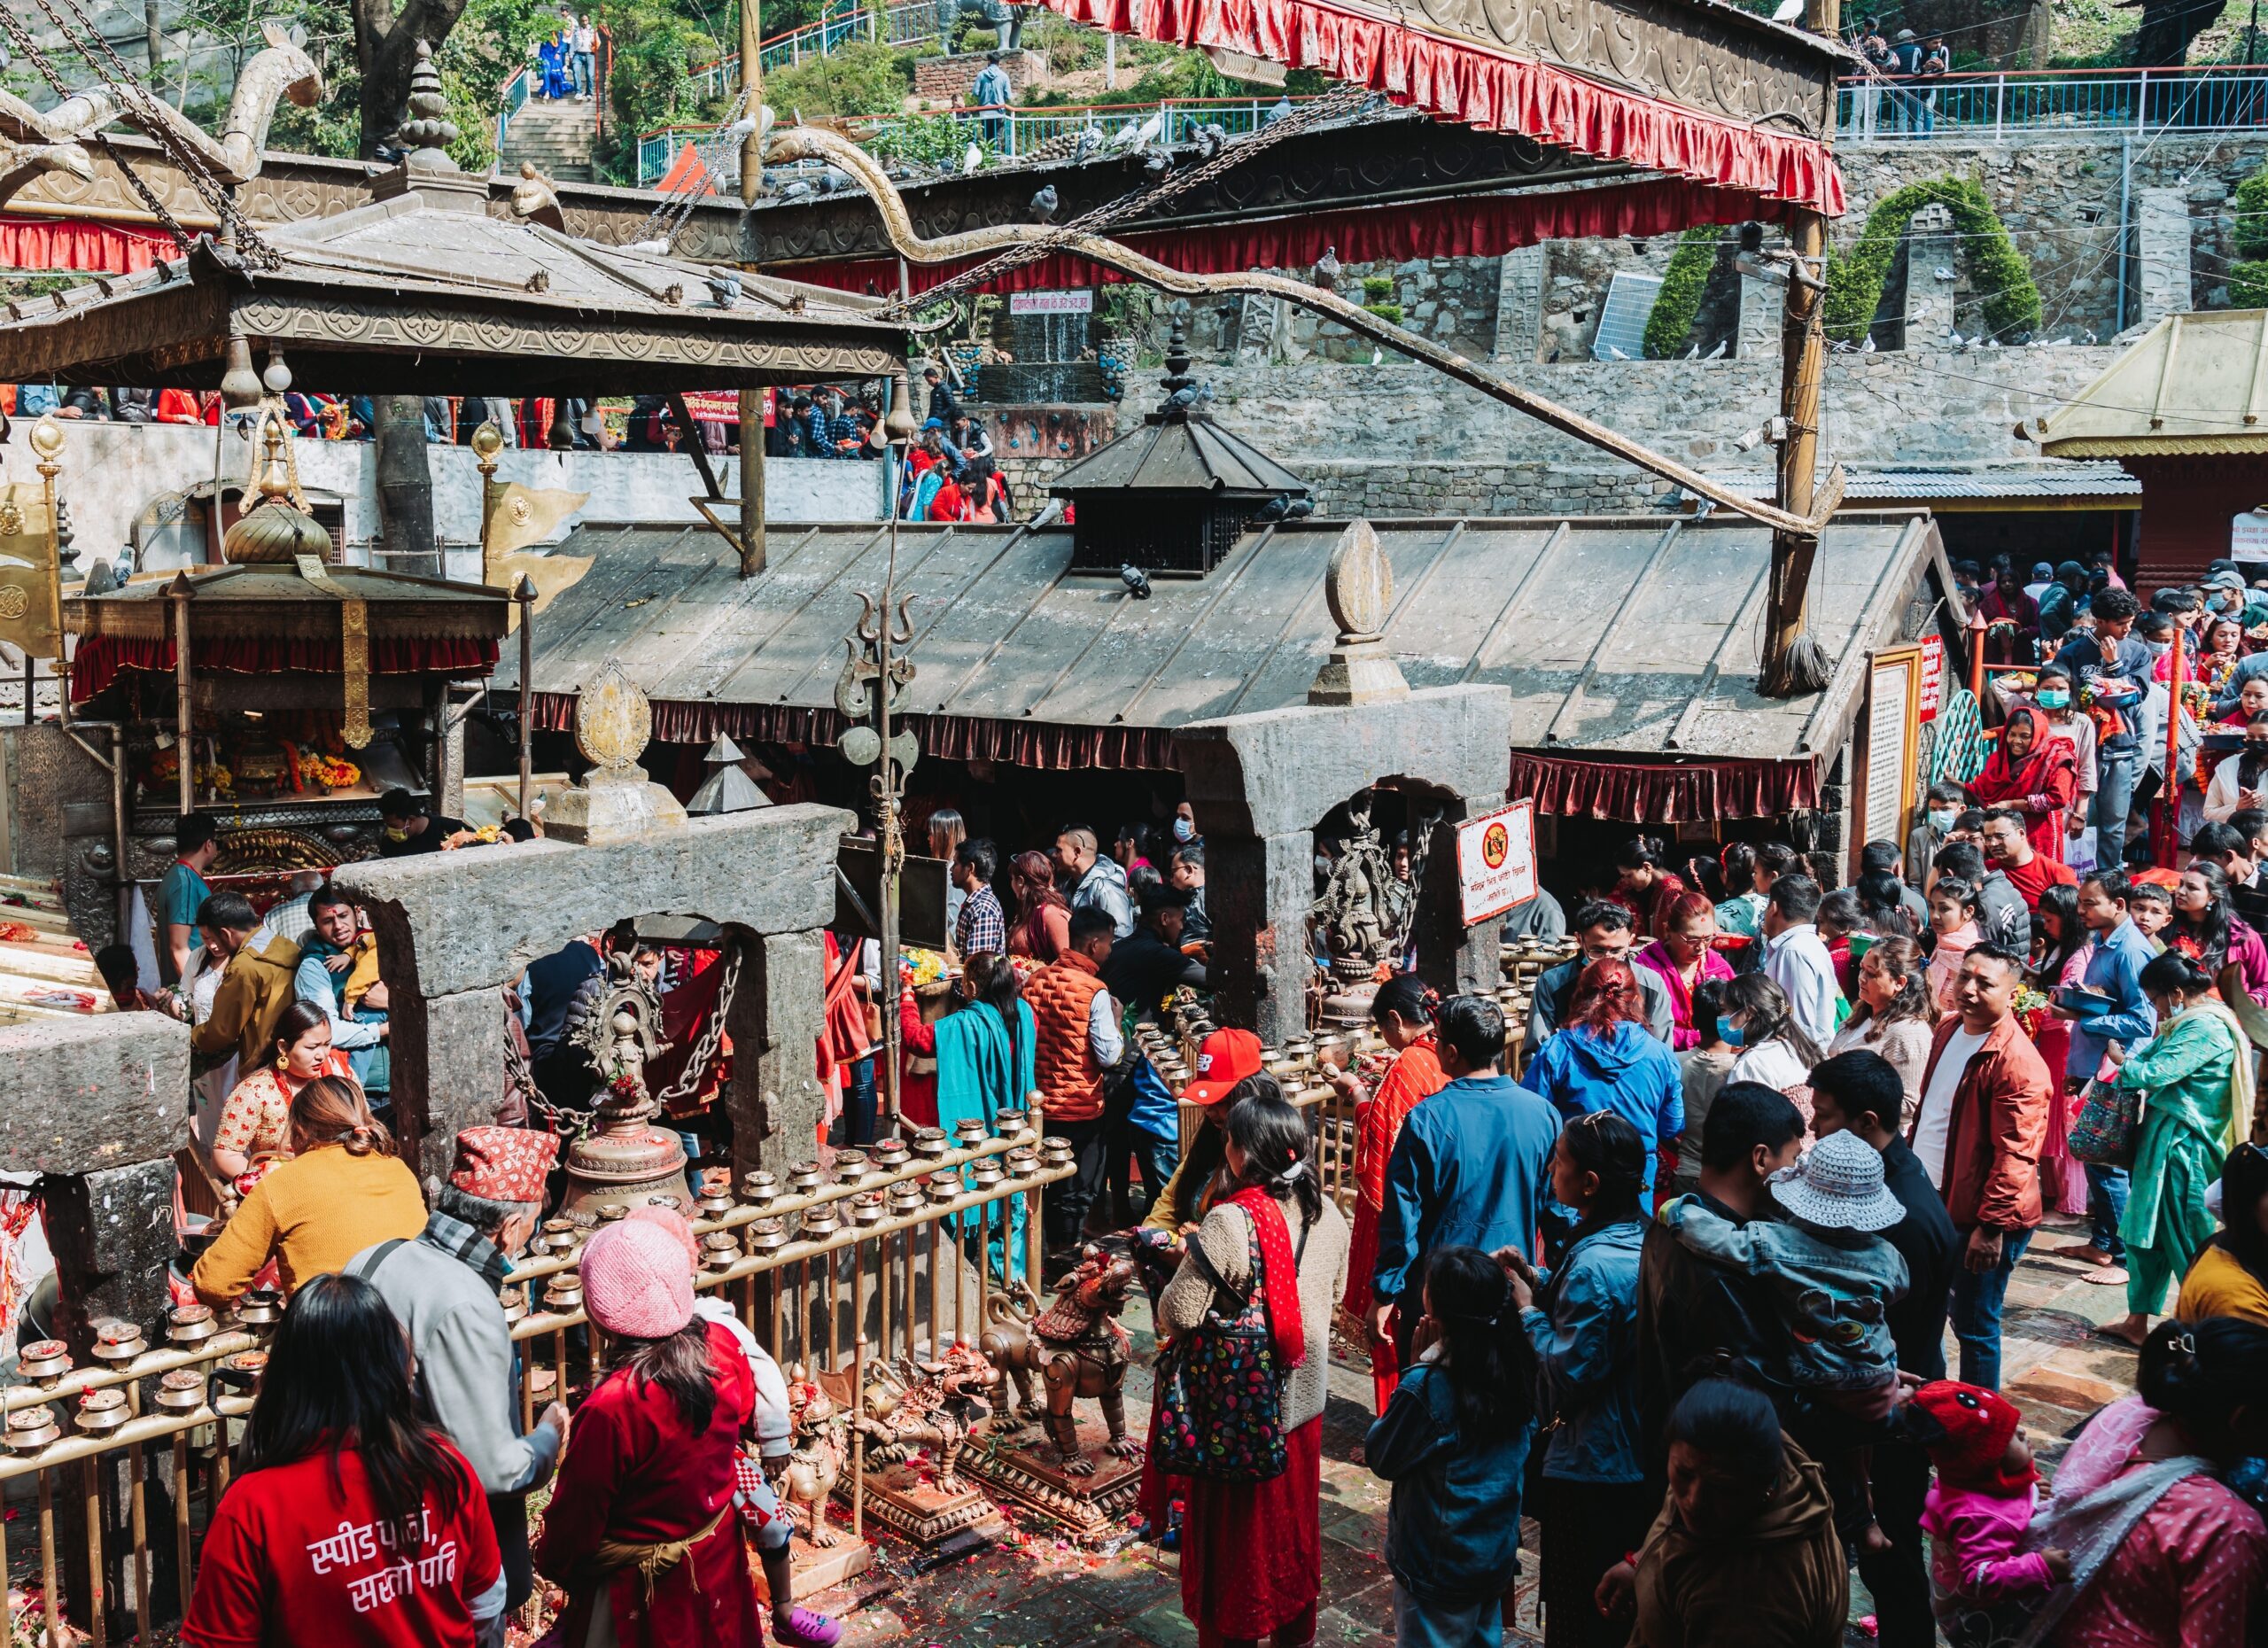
<point>116,476</point>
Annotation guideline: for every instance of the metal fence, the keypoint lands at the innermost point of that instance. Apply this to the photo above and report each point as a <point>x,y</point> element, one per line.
<point>875,1255</point>
<point>1011,134</point>
<point>1981,107</point>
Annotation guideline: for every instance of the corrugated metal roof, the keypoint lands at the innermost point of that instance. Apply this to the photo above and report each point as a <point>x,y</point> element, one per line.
<point>1633,634</point>
<point>2063,479</point>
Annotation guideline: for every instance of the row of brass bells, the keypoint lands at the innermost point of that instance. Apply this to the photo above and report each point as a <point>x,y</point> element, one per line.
<point>1013,1123</point>
<point>891,1153</point>
<point>181,1391</point>
<point>102,1411</point>
<point>44,1362</point>
<point>930,1143</point>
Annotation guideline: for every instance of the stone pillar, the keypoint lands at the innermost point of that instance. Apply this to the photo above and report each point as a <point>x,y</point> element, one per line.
<point>1762,304</point>
<point>1934,263</point>
<point>1454,959</point>
<point>1519,305</point>
<point>112,1234</point>
<point>2161,251</point>
<point>448,1070</point>
<point>1260,891</point>
<point>778,1014</point>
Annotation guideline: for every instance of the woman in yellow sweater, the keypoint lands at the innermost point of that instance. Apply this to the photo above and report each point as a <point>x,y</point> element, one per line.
<point>343,1190</point>
<point>2231,1276</point>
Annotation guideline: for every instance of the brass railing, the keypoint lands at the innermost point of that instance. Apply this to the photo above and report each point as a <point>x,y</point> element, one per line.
<point>888,1234</point>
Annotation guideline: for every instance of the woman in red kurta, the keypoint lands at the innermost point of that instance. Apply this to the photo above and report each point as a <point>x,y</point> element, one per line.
<point>2033,774</point>
<point>1404,1011</point>
<point>1645,882</point>
<point>647,1477</point>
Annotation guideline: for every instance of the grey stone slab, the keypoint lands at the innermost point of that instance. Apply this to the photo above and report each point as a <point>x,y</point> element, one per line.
<point>1279,771</point>
<point>1260,893</point>
<point>112,1232</point>
<point>448,1070</point>
<point>480,916</point>
<point>81,1094</point>
<point>775,1021</point>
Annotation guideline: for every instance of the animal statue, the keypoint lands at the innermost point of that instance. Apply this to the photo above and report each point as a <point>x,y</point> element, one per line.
<point>814,1464</point>
<point>1006,21</point>
<point>33,141</point>
<point>535,199</point>
<point>1076,1347</point>
<point>927,1404</point>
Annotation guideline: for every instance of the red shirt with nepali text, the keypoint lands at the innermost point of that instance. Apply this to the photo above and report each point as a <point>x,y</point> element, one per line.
<point>298,1554</point>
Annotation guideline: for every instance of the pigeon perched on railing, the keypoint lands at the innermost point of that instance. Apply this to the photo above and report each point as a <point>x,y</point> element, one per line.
<point>1327,269</point>
<point>973,158</point>
<point>1157,163</point>
<point>1044,204</point>
<point>1212,137</point>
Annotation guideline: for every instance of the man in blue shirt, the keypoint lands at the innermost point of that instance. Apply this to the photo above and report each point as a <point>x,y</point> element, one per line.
<point>197,842</point>
<point>2121,953</point>
<point>993,91</point>
<point>2108,660</point>
<point>1470,1169</point>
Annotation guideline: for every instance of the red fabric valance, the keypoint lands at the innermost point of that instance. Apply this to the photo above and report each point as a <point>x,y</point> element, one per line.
<point>98,659</point>
<point>1486,87</point>
<point>55,243</point>
<point>947,737</point>
<point>1661,792</point>
<point>1486,226</point>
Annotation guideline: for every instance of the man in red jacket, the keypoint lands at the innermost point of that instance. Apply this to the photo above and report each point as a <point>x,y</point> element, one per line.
<point>1978,1131</point>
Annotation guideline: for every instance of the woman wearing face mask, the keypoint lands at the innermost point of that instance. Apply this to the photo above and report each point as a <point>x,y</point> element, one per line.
<point>2068,722</point>
<point>1773,1048</point>
<point>2033,771</point>
<point>2195,1080</point>
<point>2243,781</point>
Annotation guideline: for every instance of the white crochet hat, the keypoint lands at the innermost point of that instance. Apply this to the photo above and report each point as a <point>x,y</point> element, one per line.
<point>1838,1185</point>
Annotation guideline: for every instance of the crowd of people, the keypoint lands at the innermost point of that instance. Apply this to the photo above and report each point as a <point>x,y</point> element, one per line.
<point>1672,1269</point>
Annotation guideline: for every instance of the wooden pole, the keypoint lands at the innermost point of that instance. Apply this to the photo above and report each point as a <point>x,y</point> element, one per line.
<point>751,399</point>
<point>1789,668</point>
<point>524,592</point>
<point>181,595</point>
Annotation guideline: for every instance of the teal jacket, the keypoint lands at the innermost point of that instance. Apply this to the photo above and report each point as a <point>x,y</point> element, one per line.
<point>980,1074</point>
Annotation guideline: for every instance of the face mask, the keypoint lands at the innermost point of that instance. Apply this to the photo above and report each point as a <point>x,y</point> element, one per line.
<point>2252,749</point>
<point>397,833</point>
<point>1941,818</point>
<point>2159,649</point>
<point>1185,829</point>
<point>1728,1032</point>
<point>2053,697</point>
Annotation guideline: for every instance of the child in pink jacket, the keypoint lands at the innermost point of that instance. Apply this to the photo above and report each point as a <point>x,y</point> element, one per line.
<point>1977,1512</point>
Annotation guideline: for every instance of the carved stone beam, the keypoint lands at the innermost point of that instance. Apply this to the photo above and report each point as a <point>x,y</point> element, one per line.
<point>810,142</point>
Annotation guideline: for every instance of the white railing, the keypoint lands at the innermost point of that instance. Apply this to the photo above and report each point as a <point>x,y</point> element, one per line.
<point>1995,106</point>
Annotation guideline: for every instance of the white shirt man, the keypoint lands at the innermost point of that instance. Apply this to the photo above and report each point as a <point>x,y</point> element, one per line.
<point>1796,958</point>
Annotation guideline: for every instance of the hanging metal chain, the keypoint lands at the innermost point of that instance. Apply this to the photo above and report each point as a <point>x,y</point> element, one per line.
<point>137,98</point>
<point>20,36</point>
<point>1338,101</point>
<point>712,1035</point>
<point>669,216</point>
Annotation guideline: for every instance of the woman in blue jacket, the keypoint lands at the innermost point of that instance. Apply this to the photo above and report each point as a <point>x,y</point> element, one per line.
<point>1606,1059</point>
<point>1583,1322</point>
<point>1454,1440</point>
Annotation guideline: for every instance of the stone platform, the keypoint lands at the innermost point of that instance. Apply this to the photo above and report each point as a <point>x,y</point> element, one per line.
<point>1018,1465</point>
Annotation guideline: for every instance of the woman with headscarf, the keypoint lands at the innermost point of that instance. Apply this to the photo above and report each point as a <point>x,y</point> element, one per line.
<point>2011,617</point>
<point>985,1054</point>
<point>2194,1082</point>
<point>1403,1012</point>
<point>2034,772</point>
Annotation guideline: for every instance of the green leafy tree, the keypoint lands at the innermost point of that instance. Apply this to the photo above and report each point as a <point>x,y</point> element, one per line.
<point>1855,279</point>
<point>858,77</point>
<point>1669,327</point>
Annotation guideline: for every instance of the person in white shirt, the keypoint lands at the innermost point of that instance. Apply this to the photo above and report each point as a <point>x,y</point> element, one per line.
<point>1774,1049</point>
<point>584,40</point>
<point>1796,959</point>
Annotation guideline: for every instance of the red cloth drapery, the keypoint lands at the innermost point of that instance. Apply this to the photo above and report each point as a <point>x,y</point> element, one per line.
<point>1478,85</point>
<point>1655,792</point>
<point>51,242</point>
<point>1486,226</point>
<point>98,659</point>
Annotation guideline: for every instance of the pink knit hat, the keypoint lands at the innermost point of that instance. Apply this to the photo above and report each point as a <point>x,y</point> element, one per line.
<point>674,1222</point>
<point>637,1281</point>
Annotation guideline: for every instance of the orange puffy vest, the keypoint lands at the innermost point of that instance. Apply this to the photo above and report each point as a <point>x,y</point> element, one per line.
<point>1061,996</point>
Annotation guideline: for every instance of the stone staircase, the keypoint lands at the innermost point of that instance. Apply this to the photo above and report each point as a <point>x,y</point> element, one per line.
<point>556,135</point>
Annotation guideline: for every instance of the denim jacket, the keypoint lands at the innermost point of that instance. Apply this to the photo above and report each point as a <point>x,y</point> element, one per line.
<point>1453,1532</point>
<point>1584,1326</point>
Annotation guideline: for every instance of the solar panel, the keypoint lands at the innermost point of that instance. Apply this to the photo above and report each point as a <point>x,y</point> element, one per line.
<point>1622,321</point>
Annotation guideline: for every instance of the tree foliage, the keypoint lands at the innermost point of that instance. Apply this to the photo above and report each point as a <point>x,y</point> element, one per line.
<point>860,77</point>
<point>2249,275</point>
<point>1670,324</point>
<point>1855,279</point>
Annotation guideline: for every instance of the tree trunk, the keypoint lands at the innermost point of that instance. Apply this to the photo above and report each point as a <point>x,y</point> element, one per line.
<point>2167,29</point>
<point>155,28</point>
<point>405,480</point>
